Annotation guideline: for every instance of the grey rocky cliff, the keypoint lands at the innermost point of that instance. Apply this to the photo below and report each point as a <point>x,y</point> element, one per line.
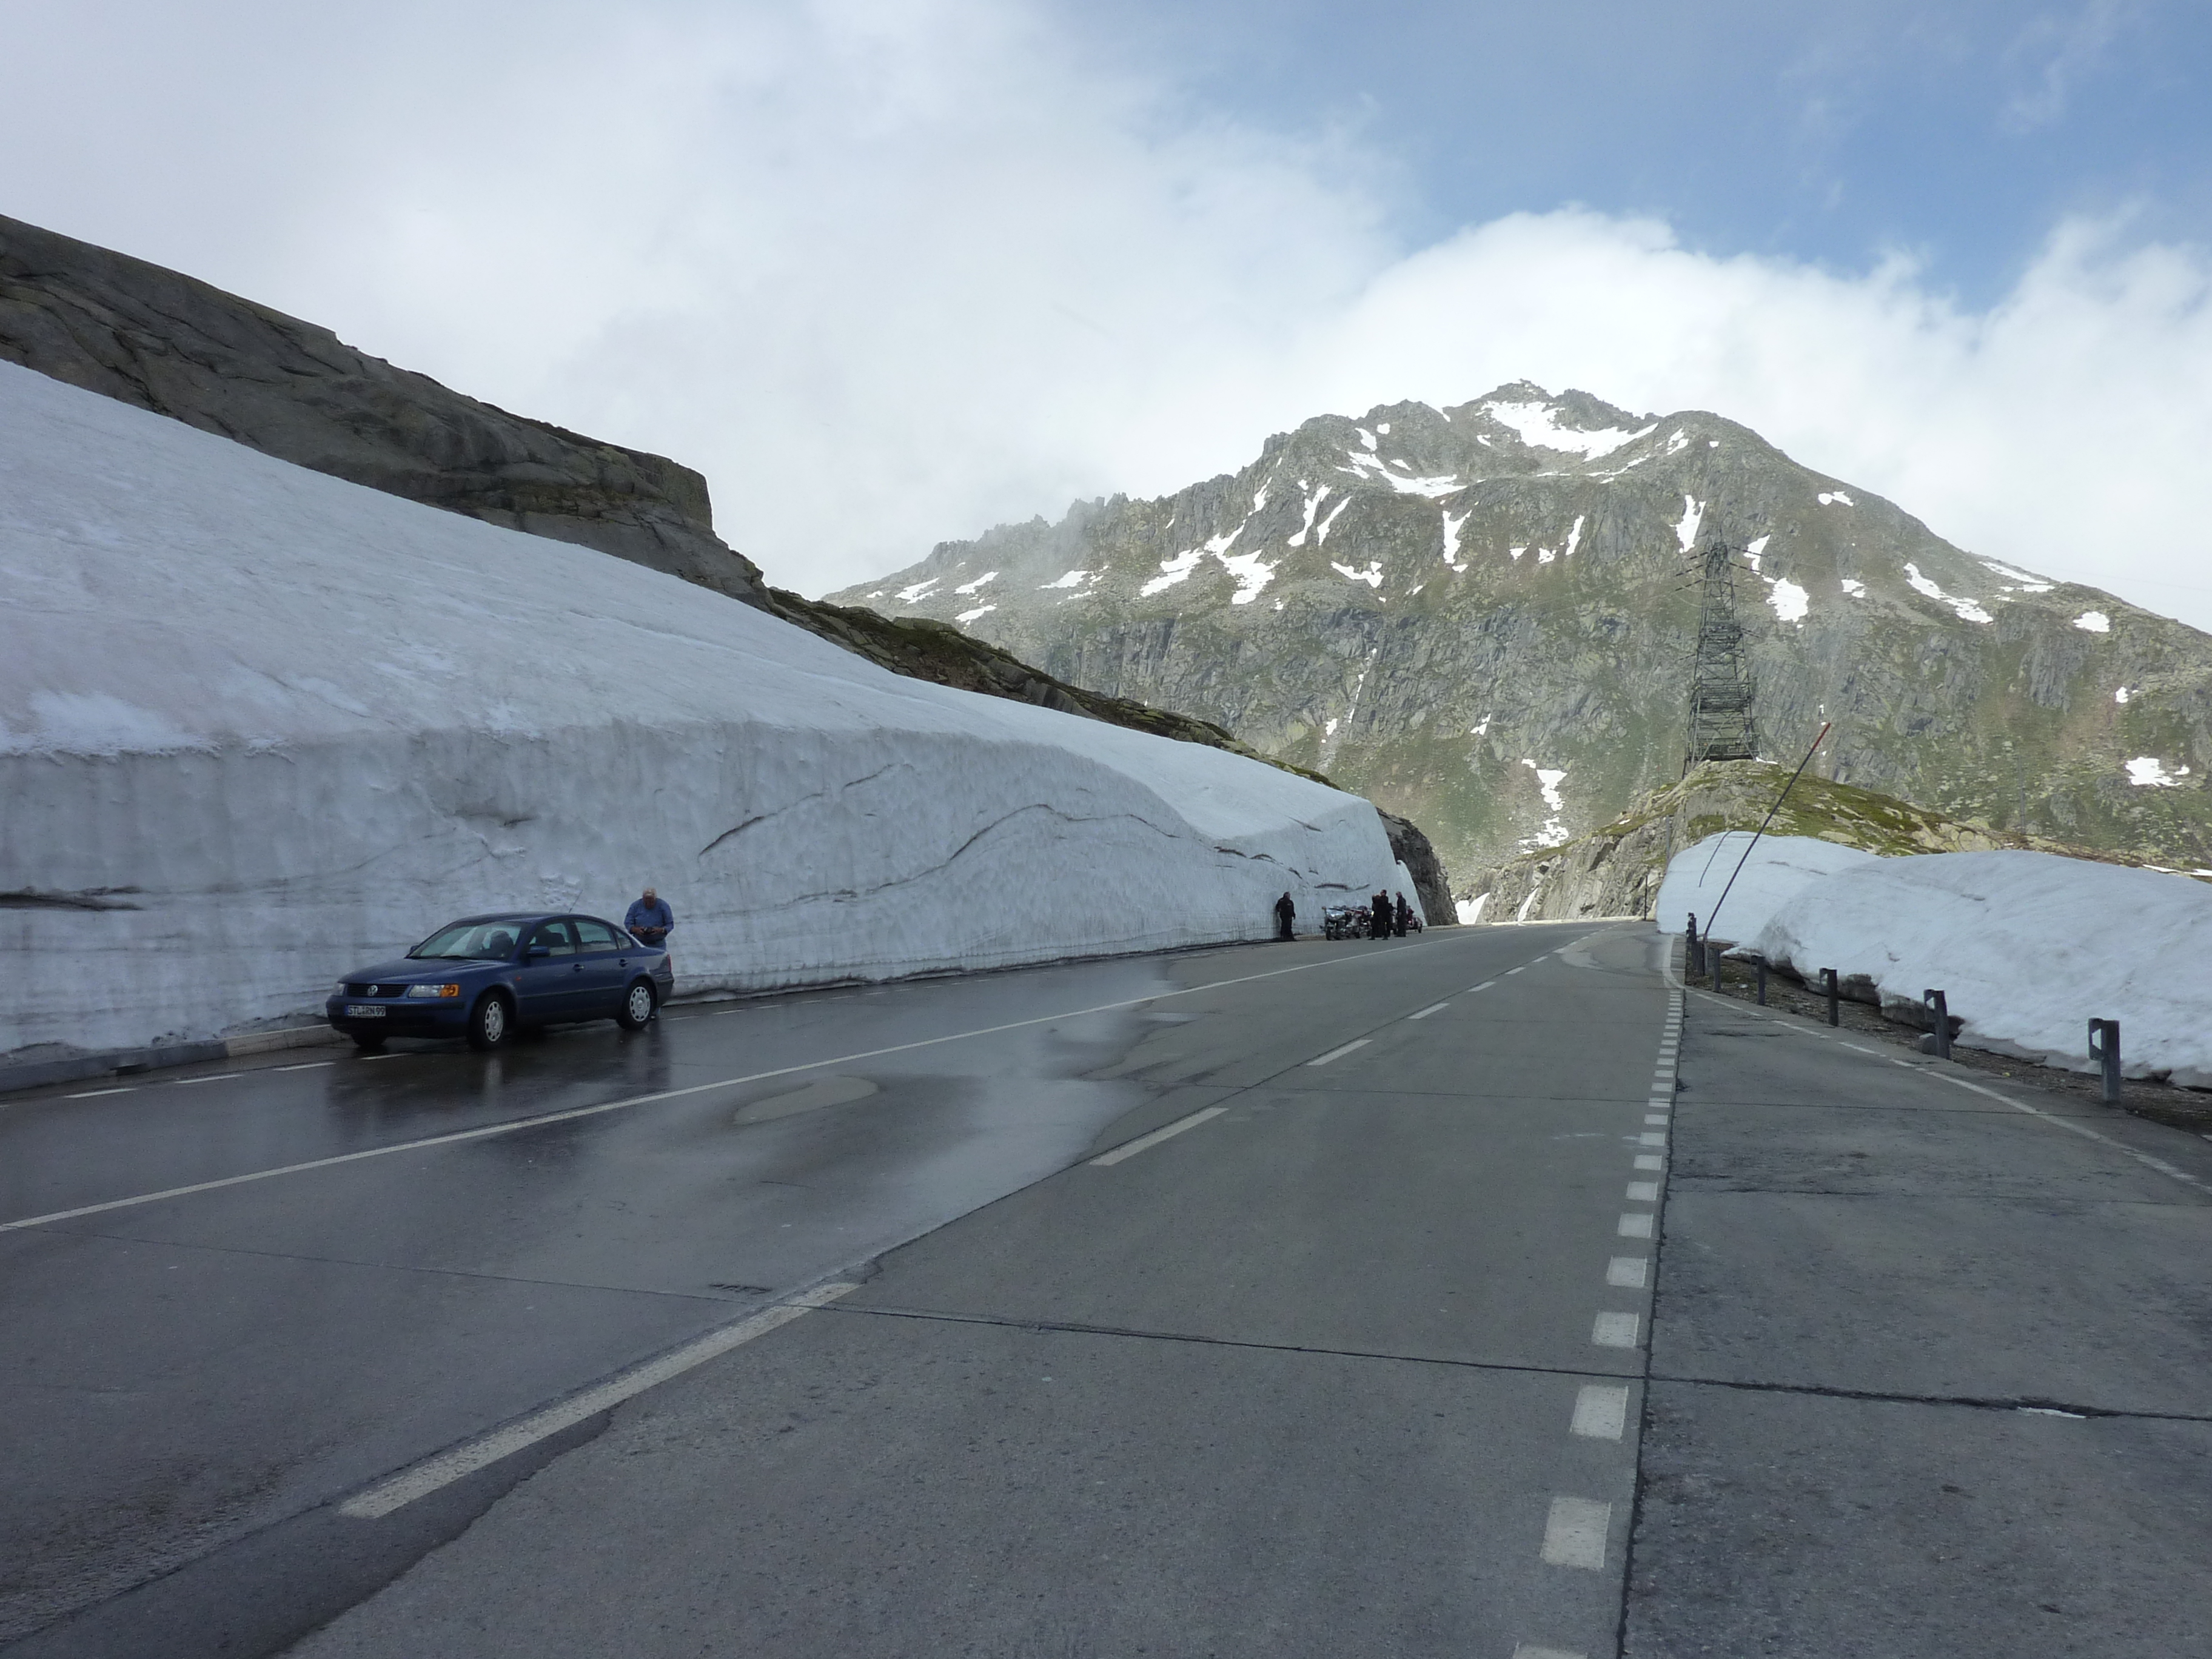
<point>181,347</point>
<point>1480,618</point>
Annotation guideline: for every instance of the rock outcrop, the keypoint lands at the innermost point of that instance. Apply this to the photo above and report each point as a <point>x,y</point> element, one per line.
<point>1615,870</point>
<point>179,347</point>
<point>1482,617</point>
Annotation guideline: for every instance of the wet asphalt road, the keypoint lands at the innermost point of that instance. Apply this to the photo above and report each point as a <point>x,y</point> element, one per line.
<point>1320,1372</point>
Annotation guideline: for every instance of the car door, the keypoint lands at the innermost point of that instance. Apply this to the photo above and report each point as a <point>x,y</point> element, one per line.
<point>604,957</point>
<point>549,986</point>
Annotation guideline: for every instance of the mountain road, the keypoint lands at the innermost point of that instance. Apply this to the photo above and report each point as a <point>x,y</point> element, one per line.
<point>1483,1293</point>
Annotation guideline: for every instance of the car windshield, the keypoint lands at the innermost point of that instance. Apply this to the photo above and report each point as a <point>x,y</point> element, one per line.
<point>465,941</point>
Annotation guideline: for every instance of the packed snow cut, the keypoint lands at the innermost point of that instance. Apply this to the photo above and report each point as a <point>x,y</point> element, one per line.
<point>2027,947</point>
<point>258,724</point>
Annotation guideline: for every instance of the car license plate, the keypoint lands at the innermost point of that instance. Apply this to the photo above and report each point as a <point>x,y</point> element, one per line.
<point>363,1011</point>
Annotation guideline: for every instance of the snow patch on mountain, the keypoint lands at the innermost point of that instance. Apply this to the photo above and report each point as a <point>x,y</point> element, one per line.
<point>1452,528</point>
<point>1312,506</point>
<point>1790,602</point>
<point>2094,622</point>
<point>971,588</point>
<point>1554,830</point>
<point>1965,610</point>
<point>1693,514</point>
<point>1538,426</point>
<point>2147,771</point>
<point>1372,575</point>
<point>966,617</point>
<point>1072,578</point>
<point>288,724</point>
<point>1834,498</point>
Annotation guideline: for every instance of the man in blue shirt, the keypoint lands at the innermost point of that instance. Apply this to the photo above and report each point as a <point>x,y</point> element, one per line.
<point>650,920</point>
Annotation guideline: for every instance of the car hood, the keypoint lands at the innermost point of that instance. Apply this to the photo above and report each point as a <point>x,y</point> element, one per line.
<point>411,968</point>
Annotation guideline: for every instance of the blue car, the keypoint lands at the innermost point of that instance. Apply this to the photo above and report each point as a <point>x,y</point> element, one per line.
<point>483,976</point>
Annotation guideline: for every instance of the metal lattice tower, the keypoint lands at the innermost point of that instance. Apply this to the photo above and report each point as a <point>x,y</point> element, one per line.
<point>1722,723</point>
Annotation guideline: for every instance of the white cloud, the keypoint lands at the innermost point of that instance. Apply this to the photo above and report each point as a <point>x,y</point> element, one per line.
<point>890,272</point>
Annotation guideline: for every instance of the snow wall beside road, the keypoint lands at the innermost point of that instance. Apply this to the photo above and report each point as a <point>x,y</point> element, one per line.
<point>259,726</point>
<point>1777,868</point>
<point>2026,947</point>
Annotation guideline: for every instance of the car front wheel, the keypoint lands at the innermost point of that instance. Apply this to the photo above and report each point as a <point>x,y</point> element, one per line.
<point>637,1007</point>
<point>489,1022</point>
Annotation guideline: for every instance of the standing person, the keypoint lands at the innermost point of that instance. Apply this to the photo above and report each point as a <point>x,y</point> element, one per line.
<point>1405,914</point>
<point>1284,912</point>
<point>1378,911</point>
<point>651,920</point>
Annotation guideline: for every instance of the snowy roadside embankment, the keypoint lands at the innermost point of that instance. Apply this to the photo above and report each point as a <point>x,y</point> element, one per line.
<point>2026,947</point>
<point>258,725</point>
<point>1779,869</point>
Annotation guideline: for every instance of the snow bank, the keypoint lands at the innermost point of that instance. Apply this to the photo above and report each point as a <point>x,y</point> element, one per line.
<point>259,726</point>
<point>2026,947</point>
<point>1781,866</point>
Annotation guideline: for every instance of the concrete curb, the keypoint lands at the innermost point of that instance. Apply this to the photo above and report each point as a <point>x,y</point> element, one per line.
<point>114,1062</point>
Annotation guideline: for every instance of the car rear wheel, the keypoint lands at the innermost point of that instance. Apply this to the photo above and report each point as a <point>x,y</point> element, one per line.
<point>489,1021</point>
<point>637,1006</point>
<point>369,1041</point>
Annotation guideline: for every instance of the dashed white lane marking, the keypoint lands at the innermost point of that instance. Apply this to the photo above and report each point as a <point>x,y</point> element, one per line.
<point>1484,986</point>
<point>448,1467</point>
<point>310,1065</point>
<point>1646,1161</point>
<point>1600,1411</point>
<point>1636,1223</point>
<point>384,1057</point>
<point>1437,1009</point>
<point>218,1077</point>
<point>1530,1650</point>
<point>95,1094</point>
<point>1574,1533</point>
<point>1510,971</point>
<point>1856,1049</point>
<point>1655,1120</point>
<point>1130,1149</point>
<point>1339,1054</point>
<point>1652,1138</point>
<point>1628,1272</point>
<point>1642,1192</point>
<point>1615,1330</point>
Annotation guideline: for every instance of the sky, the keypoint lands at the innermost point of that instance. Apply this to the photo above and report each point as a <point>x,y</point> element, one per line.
<point>890,271</point>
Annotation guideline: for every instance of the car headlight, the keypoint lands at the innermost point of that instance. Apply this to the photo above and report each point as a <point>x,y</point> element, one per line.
<point>434,990</point>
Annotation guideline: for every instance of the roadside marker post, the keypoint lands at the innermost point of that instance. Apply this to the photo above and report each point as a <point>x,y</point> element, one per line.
<point>2104,1049</point>
<point>1939,1021</point>
<point>1828,984</point>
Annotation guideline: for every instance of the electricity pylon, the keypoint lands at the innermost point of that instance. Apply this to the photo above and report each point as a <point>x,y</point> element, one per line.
<point>1722,723</point>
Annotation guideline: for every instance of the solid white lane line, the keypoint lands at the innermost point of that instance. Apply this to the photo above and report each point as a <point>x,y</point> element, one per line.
<point>1646,1161</point>
<point>1600,1411</point>
<point>1615,1330</point>
<point>219,1077</point>
<point>1628,1272</point>
<point>1339,1054</point>
<point>310,1065</point>
<point>1856,1049</point>
<point>1652,1138</point>
<point>448,1467</point>
<point>1426,1013</point>
<point>1130,1149</point>
<point>1636,1223</point>
<point>513,1126</point>
<point>1642,1192</point>
<point>95,1094</point>
<point>1574,1533</point>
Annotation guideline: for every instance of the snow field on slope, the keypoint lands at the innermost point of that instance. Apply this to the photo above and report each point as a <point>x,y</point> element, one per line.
<point>259,727</point>
<point>1779,867</point>
<point>2026,947</point>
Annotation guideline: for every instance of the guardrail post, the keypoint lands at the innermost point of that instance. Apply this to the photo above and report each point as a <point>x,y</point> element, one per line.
<point>1835,1006</point>
<point>1762,981</point>
<point>1939,1016</point>
<point>2105,1049</point>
